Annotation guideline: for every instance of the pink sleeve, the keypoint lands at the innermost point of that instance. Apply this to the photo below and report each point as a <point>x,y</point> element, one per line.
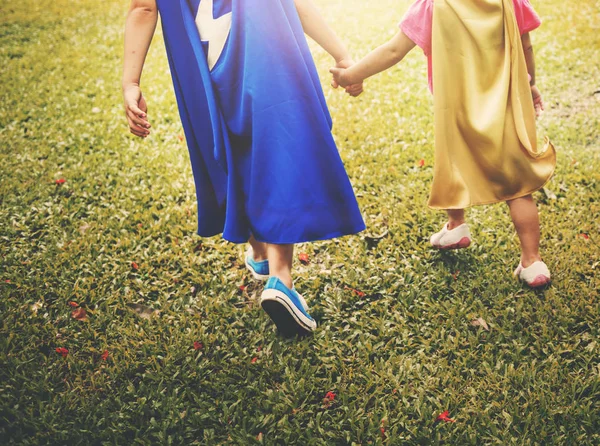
<point>417,23</point>
<point>527,18</point>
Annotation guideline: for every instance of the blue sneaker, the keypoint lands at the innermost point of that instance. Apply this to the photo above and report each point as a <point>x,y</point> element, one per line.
<point>259,270</point>
<point>287,308</point>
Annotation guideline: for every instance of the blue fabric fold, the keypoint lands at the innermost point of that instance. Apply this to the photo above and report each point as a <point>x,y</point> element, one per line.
<point>257,126</point>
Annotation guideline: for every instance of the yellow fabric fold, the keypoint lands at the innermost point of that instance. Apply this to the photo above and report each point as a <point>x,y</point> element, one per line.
<point>485,136</point>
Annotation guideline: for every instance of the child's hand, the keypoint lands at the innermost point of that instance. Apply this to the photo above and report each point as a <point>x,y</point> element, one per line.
<point>538,104</point>
<point>135,110</point>
<point>339,78</point>
<point>352,89</point>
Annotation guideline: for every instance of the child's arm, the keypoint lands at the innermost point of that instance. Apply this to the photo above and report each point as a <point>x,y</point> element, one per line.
<point>316,28</point>
<point>530,61</point>
<point>139,29</point>
<point>378,60</point>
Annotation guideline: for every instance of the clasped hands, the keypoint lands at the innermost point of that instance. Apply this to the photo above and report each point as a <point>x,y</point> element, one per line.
<point>338,79</point>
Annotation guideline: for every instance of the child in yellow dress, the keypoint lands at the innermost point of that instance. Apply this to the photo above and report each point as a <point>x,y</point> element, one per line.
<point>482,75</point>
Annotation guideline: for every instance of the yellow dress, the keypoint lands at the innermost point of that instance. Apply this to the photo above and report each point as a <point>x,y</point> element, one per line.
<point>485,139</point>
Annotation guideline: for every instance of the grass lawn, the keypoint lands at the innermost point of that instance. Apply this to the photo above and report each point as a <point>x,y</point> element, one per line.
<point>396,343</point>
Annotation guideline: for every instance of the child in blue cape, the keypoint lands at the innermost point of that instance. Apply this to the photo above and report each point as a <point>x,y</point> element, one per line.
<point>266,168</point>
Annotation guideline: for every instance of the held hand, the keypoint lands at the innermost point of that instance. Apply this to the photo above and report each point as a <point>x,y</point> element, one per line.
<point>135,110</point>
<point>537,101</point>
<point>352,89</point>
<point>339,78</point>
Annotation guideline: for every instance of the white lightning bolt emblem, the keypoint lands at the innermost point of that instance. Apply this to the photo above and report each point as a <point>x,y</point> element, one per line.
<point>214,31</point>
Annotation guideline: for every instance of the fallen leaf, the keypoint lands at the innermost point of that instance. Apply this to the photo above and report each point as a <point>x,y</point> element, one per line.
<point>135,266</point>
<point>73,304</point>
<point>455,275</point>
<point>304,259</point>
<point>36,306</point>
<point>143,311</point>
<point>243,288</point>
<point>62,351</point>
<point>382,429</point>
<point>444,416</point>
<point>549,194</point>
<point>355,291</point>
<point>480,322</point>
<point>197,346</point>
<point>80,314</point>
<point>376,237</point>
<point>104,355</point>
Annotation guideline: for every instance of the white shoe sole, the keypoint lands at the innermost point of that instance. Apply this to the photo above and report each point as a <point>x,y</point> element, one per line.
<point>464,242</point>
<point>288,318</point>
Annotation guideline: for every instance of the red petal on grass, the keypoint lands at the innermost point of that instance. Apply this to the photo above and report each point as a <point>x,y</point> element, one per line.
<point>421,163</point>
<point>62,351</point>
<point>254,360</point>
<point>382,430</point>
<point>7,280</point>
<point>60,181</point>
<point>304,259</point>
<point>198,346</point>
<point>355,291</point>
<point>259,437</point>
<point>180,137</point>
<point>259,348</point>
<point>80,314</point>
<point>73,304</point>
<point>584,236</point>
<point>243,287</point>
<point>135,266</point>
<point>330,396</point>
<point>104,355</point>
<point>444,416</point>
<point>455,275</point>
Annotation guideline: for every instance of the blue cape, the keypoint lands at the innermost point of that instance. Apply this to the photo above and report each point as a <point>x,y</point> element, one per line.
<point>256,123</point>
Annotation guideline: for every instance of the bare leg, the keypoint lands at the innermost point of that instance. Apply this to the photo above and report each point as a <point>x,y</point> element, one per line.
<point>280,262</point>
<point>456,217</point>
<point>525,217</point>
<point>259,249</point>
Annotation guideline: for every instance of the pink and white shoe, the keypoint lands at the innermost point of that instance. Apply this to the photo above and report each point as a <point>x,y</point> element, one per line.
<point>535,275</point>
<point>457,238</point>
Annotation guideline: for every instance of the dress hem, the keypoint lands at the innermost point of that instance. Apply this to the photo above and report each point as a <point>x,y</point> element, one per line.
<point>499,200</point>
<point>329,236</point>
